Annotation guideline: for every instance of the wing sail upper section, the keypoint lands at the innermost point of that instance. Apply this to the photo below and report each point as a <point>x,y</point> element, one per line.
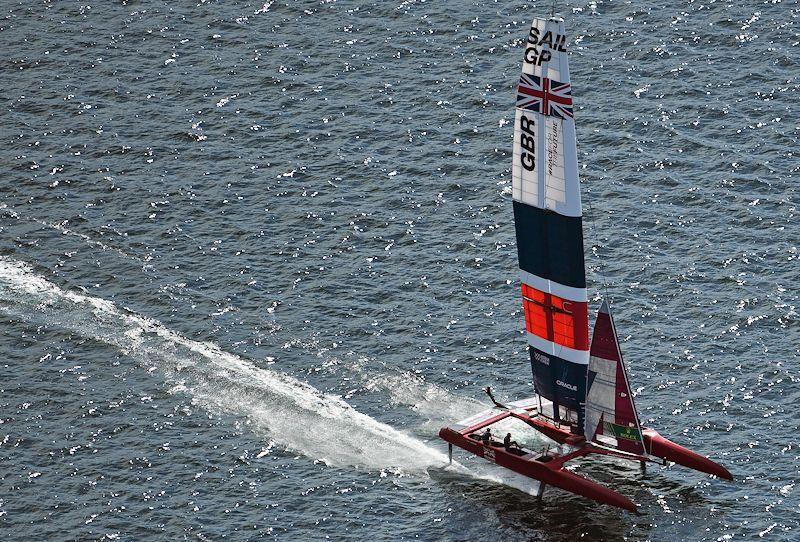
<point>611,417</point>
<point>548,220</point>
<point>545,153</point>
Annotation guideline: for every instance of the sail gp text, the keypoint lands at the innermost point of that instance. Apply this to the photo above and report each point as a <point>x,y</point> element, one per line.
<point>540,48</point>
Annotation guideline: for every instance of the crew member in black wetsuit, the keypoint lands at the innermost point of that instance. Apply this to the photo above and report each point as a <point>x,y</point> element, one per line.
<point>487,437</point>
<point>508,443</point>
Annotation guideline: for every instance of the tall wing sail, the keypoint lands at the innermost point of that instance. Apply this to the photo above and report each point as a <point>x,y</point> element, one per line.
<point>547,215</point>
<point>611,417</point>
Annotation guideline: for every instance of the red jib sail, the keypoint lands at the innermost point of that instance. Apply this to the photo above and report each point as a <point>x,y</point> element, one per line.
<point>611,417</point>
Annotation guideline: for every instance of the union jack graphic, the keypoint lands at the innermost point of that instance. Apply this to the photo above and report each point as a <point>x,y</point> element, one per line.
<point>545,96</point>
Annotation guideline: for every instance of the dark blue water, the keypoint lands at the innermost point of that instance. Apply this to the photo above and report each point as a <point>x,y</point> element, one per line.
<point>253,256</point>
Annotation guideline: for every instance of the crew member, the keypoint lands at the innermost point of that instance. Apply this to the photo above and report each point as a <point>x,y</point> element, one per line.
<point>487,437</point>
<point>508,443</point>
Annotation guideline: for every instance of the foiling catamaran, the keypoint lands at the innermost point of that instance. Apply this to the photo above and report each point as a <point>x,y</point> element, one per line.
<point>582,396</point>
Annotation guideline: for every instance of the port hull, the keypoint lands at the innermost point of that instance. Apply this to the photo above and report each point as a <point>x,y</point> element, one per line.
<point>543,467</point>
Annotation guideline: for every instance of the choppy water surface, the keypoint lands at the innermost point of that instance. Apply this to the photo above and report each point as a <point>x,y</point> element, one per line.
<point>253,255</point>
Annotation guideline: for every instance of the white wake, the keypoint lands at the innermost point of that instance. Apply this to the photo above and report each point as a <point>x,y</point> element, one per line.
<point>294,414</point>
<point>291,413</point>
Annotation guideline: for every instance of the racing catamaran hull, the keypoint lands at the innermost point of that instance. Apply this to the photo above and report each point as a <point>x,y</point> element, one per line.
<point>549,468</point>
<point>545,467</point>
<point>669,451</point>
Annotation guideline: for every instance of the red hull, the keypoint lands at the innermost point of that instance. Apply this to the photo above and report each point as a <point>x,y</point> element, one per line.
<point>549,468</point>
<point>666,449</point>
<point>545,468</point>
<point>654,443</point>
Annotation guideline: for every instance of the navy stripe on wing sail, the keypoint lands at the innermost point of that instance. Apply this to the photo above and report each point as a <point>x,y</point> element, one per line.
<point>562,382</point>
<point>550,244</point>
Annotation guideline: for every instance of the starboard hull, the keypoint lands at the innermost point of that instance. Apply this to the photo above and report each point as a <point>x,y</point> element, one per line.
<point>655,444</point>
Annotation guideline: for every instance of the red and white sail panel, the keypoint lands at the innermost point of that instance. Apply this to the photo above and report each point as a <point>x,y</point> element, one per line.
<point>611,417</point>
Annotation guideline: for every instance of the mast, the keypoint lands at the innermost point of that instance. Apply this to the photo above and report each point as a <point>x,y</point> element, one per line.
<point>549,227</point>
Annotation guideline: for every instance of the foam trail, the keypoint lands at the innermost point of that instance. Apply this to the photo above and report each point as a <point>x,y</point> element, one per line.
<point>439,407</point>
<point>10,211</point>
<point>295,414</point>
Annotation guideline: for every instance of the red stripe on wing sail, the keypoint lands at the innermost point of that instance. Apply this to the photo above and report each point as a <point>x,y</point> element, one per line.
<point>557,319</point>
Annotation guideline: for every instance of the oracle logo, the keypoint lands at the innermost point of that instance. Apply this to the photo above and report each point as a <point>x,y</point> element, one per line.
<point>568,386</point>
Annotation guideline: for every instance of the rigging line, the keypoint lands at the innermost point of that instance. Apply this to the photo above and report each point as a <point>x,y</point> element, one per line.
<point>596,240</point>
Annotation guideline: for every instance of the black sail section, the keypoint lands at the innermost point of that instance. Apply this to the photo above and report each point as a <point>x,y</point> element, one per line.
<point>550,245</point>
<point>562,382</point>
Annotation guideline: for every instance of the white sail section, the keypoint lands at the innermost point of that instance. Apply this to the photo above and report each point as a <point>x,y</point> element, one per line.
<point>545,172</point>
<point>546,50</point>
<point>602,395</point>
